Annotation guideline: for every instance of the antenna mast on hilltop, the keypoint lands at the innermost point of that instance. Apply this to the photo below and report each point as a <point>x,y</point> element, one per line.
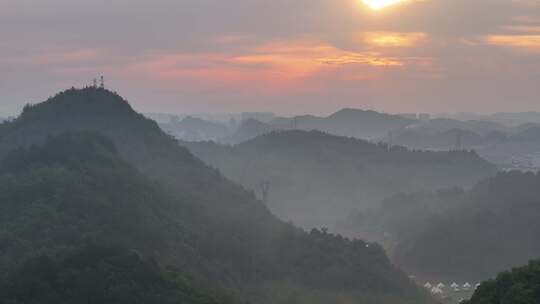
<point>95,83</point>
<point>102,82</point>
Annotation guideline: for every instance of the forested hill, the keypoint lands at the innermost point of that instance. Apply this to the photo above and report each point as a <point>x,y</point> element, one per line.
<point>519,286</point>
<point>102,275</point>
<point>75,221</point>
<point>134,187</point>
<point>476,233</point>
<point>318,179</point>
<point>348,122</point>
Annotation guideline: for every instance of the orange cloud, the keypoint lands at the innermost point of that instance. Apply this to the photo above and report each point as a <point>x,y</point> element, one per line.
<point>392,39</point>
<point>365,58</point>
<point>280,64</point>
<point>523,42</point>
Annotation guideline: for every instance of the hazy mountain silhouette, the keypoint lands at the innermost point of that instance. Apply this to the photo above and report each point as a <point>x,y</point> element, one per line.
<point>530,134</point>
<point>249,129</point>
<point>191,216</point>
<point>347,122</point>
<point>499,145</point>
<point>477,126</point>
<point>195,129</point>
<point>317,179</point>
<point>466,235</point>
<point>440,140</point>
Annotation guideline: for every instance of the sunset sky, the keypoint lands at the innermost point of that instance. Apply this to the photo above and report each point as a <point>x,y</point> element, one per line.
<point>287,56</point>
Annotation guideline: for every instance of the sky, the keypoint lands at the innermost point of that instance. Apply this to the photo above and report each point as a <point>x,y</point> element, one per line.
<point>286,56</point>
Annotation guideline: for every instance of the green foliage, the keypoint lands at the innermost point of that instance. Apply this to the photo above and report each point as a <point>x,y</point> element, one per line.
<point>101,275</point>
<point>317,179</point>
<point>470,235</point>
<point>519,286</point>
<point>60,192</point>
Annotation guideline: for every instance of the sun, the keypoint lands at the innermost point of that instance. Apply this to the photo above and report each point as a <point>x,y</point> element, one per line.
<point>380,4</point>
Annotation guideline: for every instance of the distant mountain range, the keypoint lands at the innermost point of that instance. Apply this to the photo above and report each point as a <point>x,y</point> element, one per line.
<point>506,118</point>
<point>346,122</point>
<point>116,180</point>
<point>249,129</point>
<point>195,129</point>
<point>496,143</point>
<point>317,179</point>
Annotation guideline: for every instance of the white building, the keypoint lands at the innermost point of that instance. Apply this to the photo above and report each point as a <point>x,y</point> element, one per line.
<point>436,291</point>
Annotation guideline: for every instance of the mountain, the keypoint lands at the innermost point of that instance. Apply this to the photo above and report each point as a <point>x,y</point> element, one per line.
<point>316,179</point>
<point>510,119</point>
<point>437,141</point>
<point>133,186</point>
<point>503,146</point>
<point>477,126</point>
<point>101,275</point>
<point>521,285</point>
<point>469,235</point>
<point>518,118</point>
<point>531,134</point>
<point>347,122</point>
<point>195,129</point>
<point>250,129</point>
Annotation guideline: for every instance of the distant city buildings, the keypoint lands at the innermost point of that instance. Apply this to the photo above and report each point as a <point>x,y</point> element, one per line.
<point>453,293</point>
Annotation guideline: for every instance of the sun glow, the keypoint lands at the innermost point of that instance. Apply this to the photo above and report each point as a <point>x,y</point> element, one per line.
<point>380,4</point>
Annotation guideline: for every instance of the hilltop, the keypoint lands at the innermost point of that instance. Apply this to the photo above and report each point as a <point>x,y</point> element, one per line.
<point>317,179</point>
<point>167,204</point>
<point>347,122</point>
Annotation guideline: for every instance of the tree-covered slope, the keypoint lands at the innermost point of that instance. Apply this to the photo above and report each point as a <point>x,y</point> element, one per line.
<point>519,286</point>
<point>317,179</point>
<point>101,275</point>
<point>470,235</point>
<point>134,187</point>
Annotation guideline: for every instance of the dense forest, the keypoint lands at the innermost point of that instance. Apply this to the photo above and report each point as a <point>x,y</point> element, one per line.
<point>117,181</point>
<point>316,179</point>
<point>463,235</point>
<point>102,275</point>
<point>519,286</point>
